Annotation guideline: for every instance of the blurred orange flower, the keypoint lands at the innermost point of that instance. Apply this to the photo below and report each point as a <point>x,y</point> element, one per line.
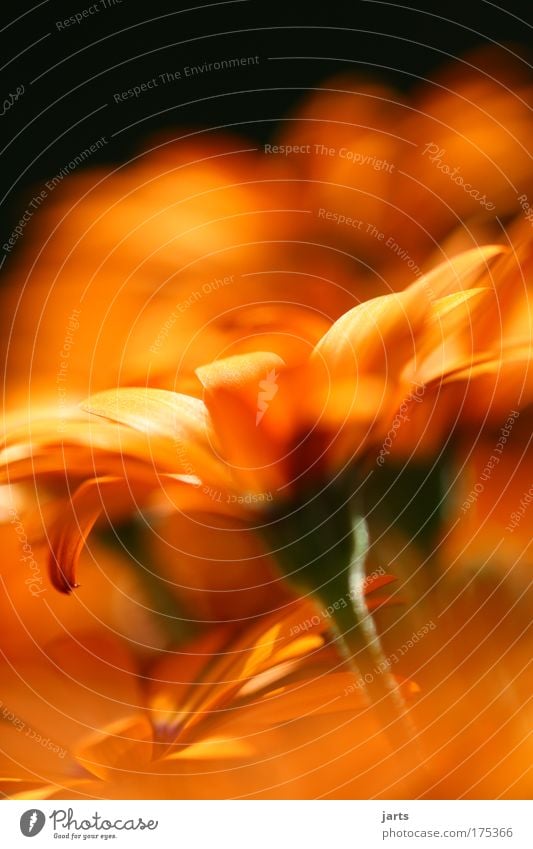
<point>416,178</point>
<point>263,423</point>
<point>264,712</point>
<point>149,270</point>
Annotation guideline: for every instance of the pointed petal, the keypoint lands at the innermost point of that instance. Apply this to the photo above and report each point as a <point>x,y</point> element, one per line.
<point>378,336</point>
<point>239,392</point>
<point>150,410</point>
<point>85,447</point>
<point>124,745</point>
<point>446,338</point>
<point>459,272</point>
<point>181,420</point>
<point>491,364</point>
<point>78,515</point>
<point>72,528</point>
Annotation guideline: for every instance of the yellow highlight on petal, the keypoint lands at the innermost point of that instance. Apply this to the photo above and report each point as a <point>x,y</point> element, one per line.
<point>213,748</point>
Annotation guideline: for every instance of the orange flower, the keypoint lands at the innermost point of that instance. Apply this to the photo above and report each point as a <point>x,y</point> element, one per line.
<point>496,348</point>
<point>266,428</point>
<point>216,566</point>
<point>142,273</point>
<point>392,178</point>
<point>290,454</point>
<point>268,712</point>
<point>150,270</point>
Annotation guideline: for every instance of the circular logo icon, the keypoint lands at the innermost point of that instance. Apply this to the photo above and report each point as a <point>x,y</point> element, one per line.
<point>32,822</point>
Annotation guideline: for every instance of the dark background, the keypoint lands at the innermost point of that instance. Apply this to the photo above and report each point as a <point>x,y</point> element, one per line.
<point>70,75</point>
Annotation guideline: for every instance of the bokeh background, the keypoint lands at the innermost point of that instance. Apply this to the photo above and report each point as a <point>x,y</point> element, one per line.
<point>71,74</point>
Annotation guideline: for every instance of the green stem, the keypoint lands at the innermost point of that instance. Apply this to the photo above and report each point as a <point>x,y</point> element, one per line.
<point>360,645</point>
<point>323,551</point>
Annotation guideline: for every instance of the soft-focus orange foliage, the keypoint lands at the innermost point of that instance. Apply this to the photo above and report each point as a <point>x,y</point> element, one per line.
<point>474,712</point>
<point>201,243</point>
<point>395,164</point>
<point>217,566</point>
<point>150,269</point>
<point>488,511</point>
<point>260,712</point>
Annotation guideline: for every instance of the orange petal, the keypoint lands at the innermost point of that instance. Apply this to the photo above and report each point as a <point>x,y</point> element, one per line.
<point>181,419</point>
<point>378,336</point>
<point>458,272</point>
<point>447,333</point>
<point>86,447</point>
<point>238,393</point>
<point>72,529</point>
<point>124,745</point>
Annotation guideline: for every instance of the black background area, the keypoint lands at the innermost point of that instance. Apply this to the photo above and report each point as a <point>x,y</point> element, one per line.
<point>72,73</point>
